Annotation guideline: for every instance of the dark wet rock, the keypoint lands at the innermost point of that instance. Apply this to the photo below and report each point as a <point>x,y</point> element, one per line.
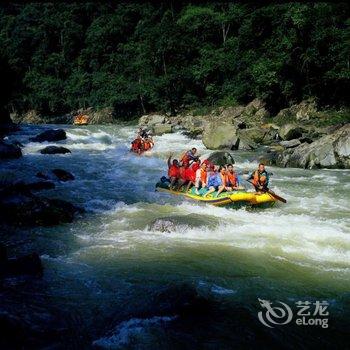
<point>28,326</point>
<point>221,158</point>
<point>291,131</point>
<point>25,265</point>
<point>26,209</point>
<point>40,185</point>
<point>9,151</point>
<point>50,135</point>
<point>41,175</point>
<point>163,225</point>
<point>63,175</point>
<point>54,150</point>
<point>17,143</point>
<point>21,187</point>
<point>181,223</point>
<point>184,301</point>
<point>290,143</point>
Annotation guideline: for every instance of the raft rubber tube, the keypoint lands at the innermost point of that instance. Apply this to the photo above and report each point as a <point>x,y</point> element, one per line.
<point>232,198</point>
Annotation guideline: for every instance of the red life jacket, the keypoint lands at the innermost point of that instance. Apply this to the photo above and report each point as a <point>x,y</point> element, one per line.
<point>182,171</point>
<point>136,145</point>
<point>174,171</point>
<point>190,174</point>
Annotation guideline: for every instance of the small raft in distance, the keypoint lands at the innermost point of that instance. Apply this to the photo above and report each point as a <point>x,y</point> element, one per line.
<point>234,199</point>
<point>81,119</point>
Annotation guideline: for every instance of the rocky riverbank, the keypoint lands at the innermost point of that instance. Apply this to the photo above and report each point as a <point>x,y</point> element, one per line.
<point>299,136</point>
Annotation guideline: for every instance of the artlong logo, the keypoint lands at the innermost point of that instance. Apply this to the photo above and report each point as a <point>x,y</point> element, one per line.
<point>274,315</point>
<point>282,314</point>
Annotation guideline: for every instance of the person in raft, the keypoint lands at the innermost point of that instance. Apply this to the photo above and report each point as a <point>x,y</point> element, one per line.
<point>173,171</point>
<point>260,179</point>
<point>189,156</point>
<point>142,133</point>
<point>231,179</point>
<point>201,177</point>
<point>137,144</point>
<point>148,143</point>
<point>216,180</point>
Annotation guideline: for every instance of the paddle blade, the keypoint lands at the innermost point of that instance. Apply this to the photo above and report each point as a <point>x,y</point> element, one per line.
<point>281,199</point>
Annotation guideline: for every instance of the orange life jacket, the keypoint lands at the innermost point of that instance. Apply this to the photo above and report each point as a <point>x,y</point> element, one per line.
<point>203,176</point>
<point>223,179</point>
<point>231,179</point>
<point>259,180</point>
<point>147,145</point>
<point>174,171</point>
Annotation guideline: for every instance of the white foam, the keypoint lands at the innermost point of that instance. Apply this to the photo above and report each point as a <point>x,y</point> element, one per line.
<point>131,330</point>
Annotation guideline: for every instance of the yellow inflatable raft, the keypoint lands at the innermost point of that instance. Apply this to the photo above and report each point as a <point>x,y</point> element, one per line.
<point>234,199</point>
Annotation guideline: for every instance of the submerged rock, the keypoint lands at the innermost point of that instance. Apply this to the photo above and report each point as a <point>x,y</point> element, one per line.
<point>180,223</point>
<point>25,209</point>
<point>50,135</point>
<point>63,175</point>
<point>40,185</point>
<point>25,265</point>
<point>54,150</point>
<point>25,188</point>
<point>9,151</point>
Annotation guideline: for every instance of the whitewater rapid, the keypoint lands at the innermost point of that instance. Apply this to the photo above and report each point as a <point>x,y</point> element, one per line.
<point>300,248</point>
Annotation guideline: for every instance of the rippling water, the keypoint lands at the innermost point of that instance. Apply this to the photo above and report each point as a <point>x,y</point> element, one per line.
<point>105,267</point>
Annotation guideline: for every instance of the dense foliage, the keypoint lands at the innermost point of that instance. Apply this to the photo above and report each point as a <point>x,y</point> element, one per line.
<point>140,57</point>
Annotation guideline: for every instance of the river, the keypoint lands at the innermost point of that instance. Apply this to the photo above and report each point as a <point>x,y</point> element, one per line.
<point>106,270</point>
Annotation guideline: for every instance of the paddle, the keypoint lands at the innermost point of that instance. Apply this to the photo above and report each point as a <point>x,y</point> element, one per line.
<point>273,194</point>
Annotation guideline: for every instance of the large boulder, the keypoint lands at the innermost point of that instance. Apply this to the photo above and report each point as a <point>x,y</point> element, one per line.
<point>291,143</point>
<point>63,175</point>
<point>152,119</point>
<point>231,113</point>
<point>9,151</point>
<point>291,131</point>
<point>302,112</point>
<point>257,134</point>
<point>50,135</point>
<point>221,158</point>
<point>160,129</point>
<point>54,150</point>
<point>30,117</point>
<point>219,135</point>
<point>330,151</point>
<point>195,124</point>
<point>100,116</point>
<point>29,210</point>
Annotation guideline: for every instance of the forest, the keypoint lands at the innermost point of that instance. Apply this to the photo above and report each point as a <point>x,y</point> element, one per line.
<point>139,57</point>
